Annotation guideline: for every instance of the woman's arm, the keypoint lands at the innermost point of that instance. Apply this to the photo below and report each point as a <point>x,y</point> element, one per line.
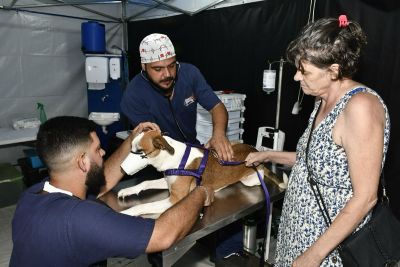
<point>280,157</point>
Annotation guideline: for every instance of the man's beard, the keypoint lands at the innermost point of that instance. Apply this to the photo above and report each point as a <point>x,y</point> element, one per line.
<point>95,179</point>
<point>166,91</point>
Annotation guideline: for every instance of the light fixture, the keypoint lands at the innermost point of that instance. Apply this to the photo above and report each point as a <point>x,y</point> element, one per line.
<point>297,105</point>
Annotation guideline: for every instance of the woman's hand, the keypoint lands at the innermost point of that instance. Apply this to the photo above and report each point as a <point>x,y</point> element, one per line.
<point>307,259</point>
<point>256,158</point>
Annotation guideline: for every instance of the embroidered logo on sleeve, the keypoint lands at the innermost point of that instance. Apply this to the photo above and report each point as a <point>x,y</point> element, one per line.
<point>191,99</point>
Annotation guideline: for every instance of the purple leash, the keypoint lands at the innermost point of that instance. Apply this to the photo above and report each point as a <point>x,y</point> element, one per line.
<point>199,172</point>
<point>266,194</point>
<point>264,187</point>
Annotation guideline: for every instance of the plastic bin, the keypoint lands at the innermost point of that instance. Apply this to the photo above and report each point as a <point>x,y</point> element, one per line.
<point>33,158</point>
<point>31,175</point>
<point>93,35</point>
<point>204,115</point>
<point>231,101</point>
<point>206,127</point>
<point>235,135</point>
<point>11,184</point>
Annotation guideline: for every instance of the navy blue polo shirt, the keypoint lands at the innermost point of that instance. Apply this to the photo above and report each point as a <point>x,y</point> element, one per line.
<point>141,102</point>
<point>56,229</point>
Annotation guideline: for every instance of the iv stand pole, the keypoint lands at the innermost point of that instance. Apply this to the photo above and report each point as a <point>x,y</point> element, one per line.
<point>278,101</point>
<point>278,110</point>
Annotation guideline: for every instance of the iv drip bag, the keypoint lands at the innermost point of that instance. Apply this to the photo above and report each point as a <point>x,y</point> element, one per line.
<point>269,81</point>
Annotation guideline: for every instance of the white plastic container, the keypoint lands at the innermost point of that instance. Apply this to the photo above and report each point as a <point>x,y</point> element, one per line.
<point>234,104</point>
<point>204,115</point>
<point>206,127</point>
<point>231,101</point>
<point>235,135</point>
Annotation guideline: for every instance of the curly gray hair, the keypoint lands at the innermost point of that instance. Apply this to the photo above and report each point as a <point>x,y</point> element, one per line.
<point>323,43</point>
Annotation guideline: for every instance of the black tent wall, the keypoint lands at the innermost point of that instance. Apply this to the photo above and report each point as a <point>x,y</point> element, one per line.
<point>232,46</point>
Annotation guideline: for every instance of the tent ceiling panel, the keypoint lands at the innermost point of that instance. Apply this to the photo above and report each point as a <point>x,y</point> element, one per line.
<point>112,10</point>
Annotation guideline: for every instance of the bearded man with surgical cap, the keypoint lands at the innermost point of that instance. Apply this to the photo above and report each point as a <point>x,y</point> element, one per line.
<point>166,92</point>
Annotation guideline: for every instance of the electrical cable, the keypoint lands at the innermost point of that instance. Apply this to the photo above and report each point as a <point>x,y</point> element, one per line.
<point>312,11</point>
<point>297,105</point>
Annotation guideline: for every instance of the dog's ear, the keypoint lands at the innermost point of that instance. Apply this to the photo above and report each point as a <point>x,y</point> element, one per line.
<point>160,143</point>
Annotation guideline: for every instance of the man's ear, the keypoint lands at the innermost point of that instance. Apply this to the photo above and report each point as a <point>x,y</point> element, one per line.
<point>143,67</point>
<point>83,162</point>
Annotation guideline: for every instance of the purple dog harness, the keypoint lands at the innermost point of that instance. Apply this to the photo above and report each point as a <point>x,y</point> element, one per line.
<point>195,173</point>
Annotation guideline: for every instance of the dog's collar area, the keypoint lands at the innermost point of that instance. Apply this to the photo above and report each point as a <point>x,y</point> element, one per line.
<point>181,169</point>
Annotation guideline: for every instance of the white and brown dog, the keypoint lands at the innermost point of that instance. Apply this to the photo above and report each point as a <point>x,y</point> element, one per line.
<point>164,153</point>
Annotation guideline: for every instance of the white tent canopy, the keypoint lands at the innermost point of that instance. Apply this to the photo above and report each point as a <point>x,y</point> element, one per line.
<point>41,58</point>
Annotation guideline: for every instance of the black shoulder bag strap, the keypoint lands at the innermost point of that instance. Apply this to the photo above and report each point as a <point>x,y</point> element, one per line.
<point>312,182</point>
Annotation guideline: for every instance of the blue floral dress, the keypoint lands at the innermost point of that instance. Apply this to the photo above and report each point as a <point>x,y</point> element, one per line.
<point>301,220</point>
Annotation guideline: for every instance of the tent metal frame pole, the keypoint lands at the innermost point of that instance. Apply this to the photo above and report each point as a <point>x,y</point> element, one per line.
<point>190,13</point>
<point>124,25</point>
<point>92,11</point>
<point>61,3</point>
<point>12,3</point>
<point>143,12</point>
<point>12,6</point>
<point>81,5</point>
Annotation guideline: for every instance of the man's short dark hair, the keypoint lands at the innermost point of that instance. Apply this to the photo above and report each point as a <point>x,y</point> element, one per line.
<point>60,136</point>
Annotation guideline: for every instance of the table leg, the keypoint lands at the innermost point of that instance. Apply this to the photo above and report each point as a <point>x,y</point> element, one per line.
<point>268,237</point>
<point>173,254</point>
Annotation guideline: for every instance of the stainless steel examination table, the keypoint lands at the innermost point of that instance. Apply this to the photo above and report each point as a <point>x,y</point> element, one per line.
<point>231,204</point>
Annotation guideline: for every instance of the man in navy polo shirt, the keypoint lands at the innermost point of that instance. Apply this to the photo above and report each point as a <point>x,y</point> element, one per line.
<point>56,225</point>
<point>167,92</point>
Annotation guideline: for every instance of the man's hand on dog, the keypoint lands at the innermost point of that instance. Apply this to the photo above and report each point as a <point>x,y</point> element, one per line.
<point>144,127</point>
<point>222,145</point>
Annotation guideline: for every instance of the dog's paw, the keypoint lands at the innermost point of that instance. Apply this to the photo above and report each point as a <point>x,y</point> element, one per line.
<point>134,190</point>
<point>134,211</point>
